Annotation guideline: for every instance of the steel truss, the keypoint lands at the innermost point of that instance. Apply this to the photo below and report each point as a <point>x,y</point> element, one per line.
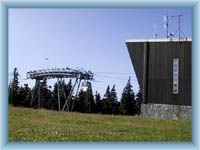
<point>60,74</point>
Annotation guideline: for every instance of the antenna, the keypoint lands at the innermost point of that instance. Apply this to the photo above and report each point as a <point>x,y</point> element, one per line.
<point>155,31</point>
<point>166,25</point>
<point>179,31</point>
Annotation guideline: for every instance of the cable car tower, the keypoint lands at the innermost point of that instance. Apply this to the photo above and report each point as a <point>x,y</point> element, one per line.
<point>59,74</point>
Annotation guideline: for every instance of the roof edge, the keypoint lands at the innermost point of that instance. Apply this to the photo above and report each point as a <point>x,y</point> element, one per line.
<point>159,40</point>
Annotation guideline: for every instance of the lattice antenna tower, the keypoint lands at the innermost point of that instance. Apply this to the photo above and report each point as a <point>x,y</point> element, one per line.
<point>155,31</point>
<point>166,24</point>
<point>179,31</point>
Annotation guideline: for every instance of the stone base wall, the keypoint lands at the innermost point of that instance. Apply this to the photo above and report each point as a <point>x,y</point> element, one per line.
<point>166,111</point>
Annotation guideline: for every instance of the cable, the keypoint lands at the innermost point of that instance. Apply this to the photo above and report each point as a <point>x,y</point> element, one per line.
<point>114,73</point>
<point>112,77</point>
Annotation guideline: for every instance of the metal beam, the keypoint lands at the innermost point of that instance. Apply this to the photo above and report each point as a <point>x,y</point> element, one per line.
<point>58,94</point>
<point>69,96</point>
<point>59,73</point>
<point>145,72</point>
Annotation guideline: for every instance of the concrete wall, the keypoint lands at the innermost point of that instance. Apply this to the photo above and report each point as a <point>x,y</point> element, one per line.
<point>166,111</point>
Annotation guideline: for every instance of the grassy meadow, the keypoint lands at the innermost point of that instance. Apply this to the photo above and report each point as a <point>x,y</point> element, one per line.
<point>38,125</point>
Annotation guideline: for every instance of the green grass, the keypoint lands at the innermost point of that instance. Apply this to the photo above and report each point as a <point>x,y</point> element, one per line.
<point>44,125</point>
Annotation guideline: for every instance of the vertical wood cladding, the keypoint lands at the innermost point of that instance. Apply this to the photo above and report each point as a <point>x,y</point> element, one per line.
<point>159,80</point>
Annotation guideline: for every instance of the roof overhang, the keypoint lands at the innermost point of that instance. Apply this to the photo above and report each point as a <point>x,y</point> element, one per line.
<point>159,40</point>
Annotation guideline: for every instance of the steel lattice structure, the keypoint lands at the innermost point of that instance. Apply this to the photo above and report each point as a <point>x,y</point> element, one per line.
<point>60,74</point>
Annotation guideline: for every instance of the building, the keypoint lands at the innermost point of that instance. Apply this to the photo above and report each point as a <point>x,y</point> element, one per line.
<point>163,70</point>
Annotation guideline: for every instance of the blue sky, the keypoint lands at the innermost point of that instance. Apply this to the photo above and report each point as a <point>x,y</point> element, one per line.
<point>92,39</point>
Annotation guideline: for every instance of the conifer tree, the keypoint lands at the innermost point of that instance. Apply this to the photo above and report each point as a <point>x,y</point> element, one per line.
<point>44,94</point>
<point>25,95</point>
<point>85,101</point>
<point>35,94</point>
<point>98,103</point>
<point>14,89</point>
<point>54,102</point>
<point>64,91</point>
<point>80,102</point>
<point>106,101</point>
<point>127,106</point>
<point>113,101</point>
<point>138,102</point>
<point>89,100</point>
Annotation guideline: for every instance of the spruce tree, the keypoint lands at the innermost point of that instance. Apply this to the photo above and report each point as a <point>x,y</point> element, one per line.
<point>106,101</point>
<point>127,106</point>
<point>89,100</point>
<point>54,101</point>
<point>28,95</point>
<point>36,94</point>
<point>80,102</point>
<point>14,89</point>
<point>138,102</point>
<point>41,95</point>
<point>113,101</point>
<point>64,91</point>
<point>25,95</point>
<point>98,103</point>
<point>46,95</point>
<point>21,96</point>
<point>85,101</point>
<point>68,88</point>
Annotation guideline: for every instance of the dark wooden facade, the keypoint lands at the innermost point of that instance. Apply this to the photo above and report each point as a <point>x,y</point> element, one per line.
<point>153,65</point>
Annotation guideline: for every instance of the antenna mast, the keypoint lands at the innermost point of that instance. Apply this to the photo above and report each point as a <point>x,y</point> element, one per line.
<point>179,25</point>
<point>166,24</point>
<point>155,31</point>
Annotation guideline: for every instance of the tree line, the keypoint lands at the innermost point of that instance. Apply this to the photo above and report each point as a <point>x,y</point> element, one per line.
<point>84,101</point>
